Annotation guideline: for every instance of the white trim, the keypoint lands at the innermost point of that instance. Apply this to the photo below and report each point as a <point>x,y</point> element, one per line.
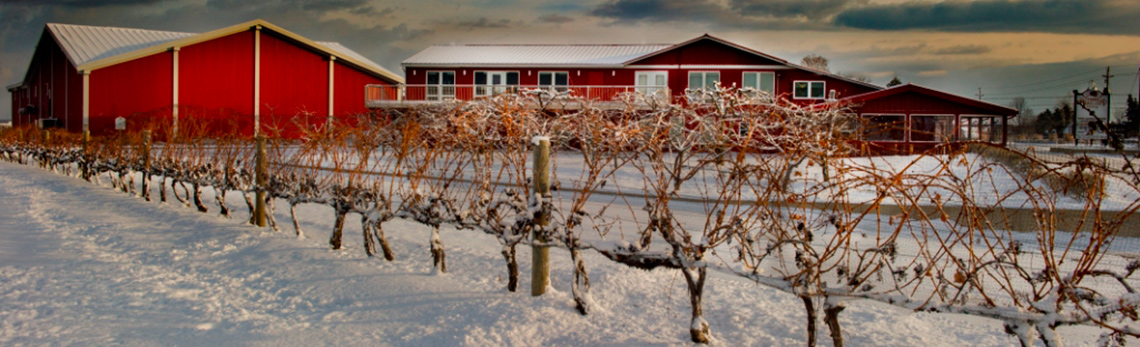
<point>256,80</point>
<point>704,78</point>
<point>809,97</point>
<point>553,79</point>
<point>86,100</point>
<point>174,96</point>
<point>709,67</point>
<point>463,66</point>
<point>332,75</point>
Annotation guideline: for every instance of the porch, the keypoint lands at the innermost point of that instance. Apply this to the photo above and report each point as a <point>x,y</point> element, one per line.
<point>539,96</point>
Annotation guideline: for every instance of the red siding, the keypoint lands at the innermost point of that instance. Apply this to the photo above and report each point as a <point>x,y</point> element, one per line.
<point>139,90</point>
<point>294,85</point>
<point>706,52</point>
<point>215,83</point>
<point>348,90</point>
<point>74,99</point>
<point>917,103</point>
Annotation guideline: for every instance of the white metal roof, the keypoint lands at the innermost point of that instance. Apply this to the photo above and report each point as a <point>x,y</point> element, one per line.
<point>85,44</point>
<point>523,55</point>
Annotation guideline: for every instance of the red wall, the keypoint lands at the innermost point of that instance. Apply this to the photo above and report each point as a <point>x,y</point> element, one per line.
<point>215,83</point>
<point>348,90</point>
<point>139,90</point>
<point>706,52</point>
<point>294,85</point>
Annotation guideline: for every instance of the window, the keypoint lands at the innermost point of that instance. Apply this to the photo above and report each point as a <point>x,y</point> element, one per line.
<point>440,85</point>
<point>884,127</point>
<point>653,83</point>
<point>703,80</point>
<point>808,90</point>
<point>560,79</point>
<point>931,128</point>
<point>760,81</point>
<point>496,80</point>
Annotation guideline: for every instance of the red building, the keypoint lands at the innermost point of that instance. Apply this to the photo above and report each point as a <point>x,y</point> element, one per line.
<point>246,77</point>
<point>897,118</point>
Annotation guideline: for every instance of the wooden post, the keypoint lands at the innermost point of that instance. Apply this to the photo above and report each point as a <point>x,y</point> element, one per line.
<point>85,165</point>
<point>261,180</point>
<point>540,255</point>
<point>146,164</point>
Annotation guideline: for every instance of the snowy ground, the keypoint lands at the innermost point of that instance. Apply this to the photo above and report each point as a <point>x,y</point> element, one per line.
<point>82,264</point>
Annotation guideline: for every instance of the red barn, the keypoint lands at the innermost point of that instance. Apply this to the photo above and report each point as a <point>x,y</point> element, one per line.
<point>250,77</point>
<point>906,119</point>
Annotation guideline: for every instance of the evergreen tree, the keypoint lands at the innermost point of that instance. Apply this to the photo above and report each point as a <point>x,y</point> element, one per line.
<point>894,82</point>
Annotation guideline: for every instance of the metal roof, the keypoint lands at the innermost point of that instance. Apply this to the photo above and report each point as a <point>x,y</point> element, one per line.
<point>523,55</point>
<point>84,44</point>
<point>94,46</point>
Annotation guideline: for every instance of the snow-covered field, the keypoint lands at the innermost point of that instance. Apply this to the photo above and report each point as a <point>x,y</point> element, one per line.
<point>82,264</point>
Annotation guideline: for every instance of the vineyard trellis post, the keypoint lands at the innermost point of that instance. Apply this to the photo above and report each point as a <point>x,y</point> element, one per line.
<point>540,253</point>
<point>146,164</point>
<point>84,166</point>
<point>261,178</point>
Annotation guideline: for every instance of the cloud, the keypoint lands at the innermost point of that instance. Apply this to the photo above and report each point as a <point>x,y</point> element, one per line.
<point>626,11</point>
<point>82,3</point>
<point>554,18</point>
<point>484,23</point>
<point>963,49</point>
<point>1060,16</point>
<point>811,9</point>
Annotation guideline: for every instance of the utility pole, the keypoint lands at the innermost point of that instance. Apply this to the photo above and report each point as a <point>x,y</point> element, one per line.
<point>980,95</point>
<point>1108,93</point>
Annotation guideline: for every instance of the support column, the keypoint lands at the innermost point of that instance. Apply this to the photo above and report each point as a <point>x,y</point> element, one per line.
<point>86,100</point>
<point>256,80</point>
<point>174,97</point>
<point>332,65</point>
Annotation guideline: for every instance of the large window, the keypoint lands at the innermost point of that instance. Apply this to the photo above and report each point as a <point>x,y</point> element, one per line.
<point>491,83</point>
<point>760,81</point>
<point>703,80</point>
<point>653,83</point>
<point>556,79</point>
<point>931,128</point>
<point>884,127</point>
<point>440,85</point>
<point>808,90</point>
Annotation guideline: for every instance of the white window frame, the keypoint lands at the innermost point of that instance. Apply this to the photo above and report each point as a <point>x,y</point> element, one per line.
<point>910,127</point>
<point>554,80</point>
<point>758,87</point>
<point>822,95</point>
<point>441,91</point>
<point>488,89</point>
<point>657,90</point>
<point>704,78</point>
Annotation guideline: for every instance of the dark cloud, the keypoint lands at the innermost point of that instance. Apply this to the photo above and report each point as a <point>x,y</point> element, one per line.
<point>554,18</point>
<point>659,10</point>
<point>332,5</point>
<point>82,3</point>
<point>811,9</point>
<point>963,49</point>
<point>484,23</point>
<point>1061,16</point>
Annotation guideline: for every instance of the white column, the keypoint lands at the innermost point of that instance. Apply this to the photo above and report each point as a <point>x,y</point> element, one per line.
<point>86,100</point>
<point>174,98</point>
<point>256,80</point>
<point>332,63</point>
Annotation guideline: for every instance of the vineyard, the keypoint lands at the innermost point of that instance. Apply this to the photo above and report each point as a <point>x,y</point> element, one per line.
<point>739,185</point>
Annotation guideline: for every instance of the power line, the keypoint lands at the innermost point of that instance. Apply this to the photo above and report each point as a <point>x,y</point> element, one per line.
<point>1047,81</point>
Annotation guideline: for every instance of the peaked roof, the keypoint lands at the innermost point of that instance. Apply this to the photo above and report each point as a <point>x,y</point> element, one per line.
<point>549,55</point>
<point>92,47</point>
<point>530,55</point>
<point>879,94</point>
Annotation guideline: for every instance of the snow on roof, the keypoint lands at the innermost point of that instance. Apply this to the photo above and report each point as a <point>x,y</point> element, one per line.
<point>521,55</point>
<point>84,44</point>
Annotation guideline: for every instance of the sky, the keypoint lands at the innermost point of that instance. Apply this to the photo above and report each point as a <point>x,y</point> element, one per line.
<point>1037,49</point>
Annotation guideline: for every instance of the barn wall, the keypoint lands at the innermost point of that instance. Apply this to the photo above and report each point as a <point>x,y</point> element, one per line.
<point>294,85</point>
<point>139,90</point>
<point>706,52</point>
<point>348,90</point>
<point>215,83</point>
